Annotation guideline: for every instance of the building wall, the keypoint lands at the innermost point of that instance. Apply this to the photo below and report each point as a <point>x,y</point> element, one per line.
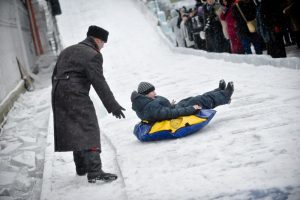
<point>16,42</point>
<point>47,26</point>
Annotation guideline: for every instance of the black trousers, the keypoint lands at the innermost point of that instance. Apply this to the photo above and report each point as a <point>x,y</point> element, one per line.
<point>208,100</point>
<point>87,161</point>
<point>275,47</point>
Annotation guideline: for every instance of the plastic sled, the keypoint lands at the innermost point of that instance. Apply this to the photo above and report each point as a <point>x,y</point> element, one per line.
<point>174,128</point>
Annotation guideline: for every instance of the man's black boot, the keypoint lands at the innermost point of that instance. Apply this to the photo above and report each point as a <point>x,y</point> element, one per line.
<point>101,175</point>
<point>95,171</point>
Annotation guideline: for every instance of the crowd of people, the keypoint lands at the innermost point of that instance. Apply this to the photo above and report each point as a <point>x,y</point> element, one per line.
<point>234,26</point>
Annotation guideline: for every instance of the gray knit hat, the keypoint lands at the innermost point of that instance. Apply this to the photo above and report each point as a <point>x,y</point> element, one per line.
<point>145,88</point>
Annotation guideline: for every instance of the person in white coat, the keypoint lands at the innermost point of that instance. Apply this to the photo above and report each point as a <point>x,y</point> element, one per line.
<point>183,27</point>
<point>173,24</point>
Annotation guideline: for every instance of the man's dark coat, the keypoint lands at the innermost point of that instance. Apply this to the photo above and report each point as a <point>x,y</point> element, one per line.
<point>75,121</point>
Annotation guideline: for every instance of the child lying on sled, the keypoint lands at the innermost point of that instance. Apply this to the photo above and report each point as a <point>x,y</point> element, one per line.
<point>148,106</point>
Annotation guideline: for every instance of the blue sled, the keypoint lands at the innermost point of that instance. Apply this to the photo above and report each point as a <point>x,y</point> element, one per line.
<point>142,129</point>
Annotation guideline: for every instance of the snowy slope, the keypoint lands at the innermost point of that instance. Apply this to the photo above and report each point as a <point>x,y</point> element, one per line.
<point>250,150</point>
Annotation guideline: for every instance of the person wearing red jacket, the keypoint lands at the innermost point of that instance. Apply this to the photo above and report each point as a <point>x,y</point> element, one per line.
<point>226,15</point>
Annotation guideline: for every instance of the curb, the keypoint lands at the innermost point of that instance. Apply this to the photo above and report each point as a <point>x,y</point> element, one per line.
<point>49,155</point>
<point>8,102</point>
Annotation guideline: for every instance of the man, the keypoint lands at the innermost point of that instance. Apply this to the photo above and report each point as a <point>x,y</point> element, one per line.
<point>75,122</point>
<point>215,40</point>
<point>148,106</point>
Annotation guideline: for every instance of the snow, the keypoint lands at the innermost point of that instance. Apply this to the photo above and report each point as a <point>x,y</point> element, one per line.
<point>23,139</point>
<point>28,139</point>
<point>26,158</point>
<point>4,192</point>
<point>250,150</point>
<point>9,147</point>
<point>7,178</point>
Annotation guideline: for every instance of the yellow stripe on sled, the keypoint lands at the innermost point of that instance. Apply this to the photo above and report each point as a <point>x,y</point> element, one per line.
<point>175,124</point>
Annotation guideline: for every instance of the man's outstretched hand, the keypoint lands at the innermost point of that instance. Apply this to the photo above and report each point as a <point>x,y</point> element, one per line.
<point>118,113</point>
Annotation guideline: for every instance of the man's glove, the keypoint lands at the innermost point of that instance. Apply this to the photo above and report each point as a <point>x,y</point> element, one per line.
<point>118,113</point>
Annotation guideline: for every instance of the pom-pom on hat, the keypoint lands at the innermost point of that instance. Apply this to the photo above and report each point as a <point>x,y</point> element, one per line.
<point>145,88</point>
<point>98,32</point>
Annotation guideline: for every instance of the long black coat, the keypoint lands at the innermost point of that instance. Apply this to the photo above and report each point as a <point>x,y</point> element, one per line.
<point>75,121</point>
<point>214,36</point>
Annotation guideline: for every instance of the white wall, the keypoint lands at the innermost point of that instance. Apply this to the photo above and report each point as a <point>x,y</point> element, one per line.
<point>16,41</point>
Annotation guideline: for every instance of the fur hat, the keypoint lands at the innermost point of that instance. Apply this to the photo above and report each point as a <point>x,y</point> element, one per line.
<point>98,32</point>
<point>145,88</point>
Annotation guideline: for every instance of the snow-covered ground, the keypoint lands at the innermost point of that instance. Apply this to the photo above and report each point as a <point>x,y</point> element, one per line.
<point>250,150</point>
<point>23,139</point>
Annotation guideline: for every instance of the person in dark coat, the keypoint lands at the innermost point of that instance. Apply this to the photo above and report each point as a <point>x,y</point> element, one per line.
<point>271,23</point>
<point>198,25</point>
<point>248,8</point>
<point>291,10</point>
<point>75,122</point>
<point>148,106</point>
<point>215,40</point>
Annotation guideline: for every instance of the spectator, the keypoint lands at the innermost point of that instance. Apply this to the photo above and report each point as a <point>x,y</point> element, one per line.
<point>185,28</point>
<point>270,18</point>
<point>226,44</point>
<point>199,26</point>
<point>248,8</point>
<point>291,11</point>
<point>173,24</point>
<point>213,29</point>
<point>226,15</point>
<point>198,4</point>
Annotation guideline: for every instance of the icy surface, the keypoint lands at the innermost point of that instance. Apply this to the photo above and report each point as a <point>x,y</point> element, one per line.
<point>23,139</point>
<point>28,139</point>
<point>26,158</point>
<point>9,147</point>
<point>7,178</point>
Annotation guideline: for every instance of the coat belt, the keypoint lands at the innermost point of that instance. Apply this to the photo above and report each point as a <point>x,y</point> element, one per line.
<point>68,76</point>
<point>64,77</point>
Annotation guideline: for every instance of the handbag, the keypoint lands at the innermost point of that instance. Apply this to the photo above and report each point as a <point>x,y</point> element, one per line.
<point>250,24</point>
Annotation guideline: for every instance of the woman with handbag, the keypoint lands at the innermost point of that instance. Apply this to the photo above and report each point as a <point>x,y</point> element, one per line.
<point>244,12</point>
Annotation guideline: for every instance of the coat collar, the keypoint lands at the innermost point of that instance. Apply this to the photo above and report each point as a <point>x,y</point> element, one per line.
<point>139,101</point>
<point>89,41</point>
